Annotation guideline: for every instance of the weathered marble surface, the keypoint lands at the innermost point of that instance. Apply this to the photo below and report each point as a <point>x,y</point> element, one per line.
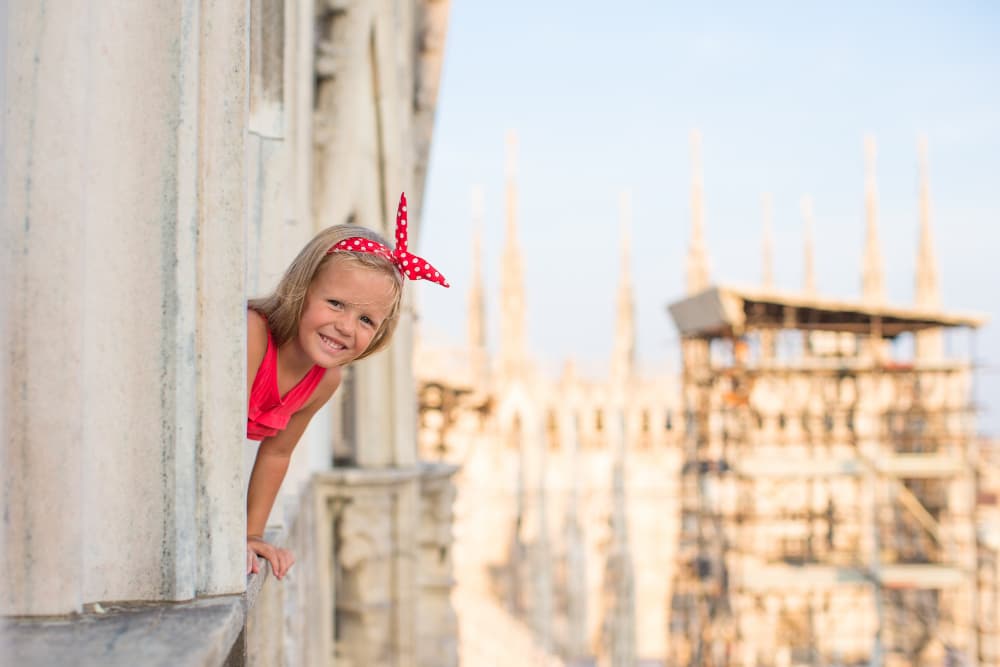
<point>124,221</point>
<point>163,164</point>
<point>196,633</point>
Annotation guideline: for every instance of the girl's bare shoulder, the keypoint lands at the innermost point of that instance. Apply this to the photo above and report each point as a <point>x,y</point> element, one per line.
<point>256,325</point>
<point>256,338</point>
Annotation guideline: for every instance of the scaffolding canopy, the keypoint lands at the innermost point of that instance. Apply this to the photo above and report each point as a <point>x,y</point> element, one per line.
<point>723,310</point>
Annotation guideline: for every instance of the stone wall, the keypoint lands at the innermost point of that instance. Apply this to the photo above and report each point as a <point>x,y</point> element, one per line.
<point>125,190</point>
<point>163,164</point>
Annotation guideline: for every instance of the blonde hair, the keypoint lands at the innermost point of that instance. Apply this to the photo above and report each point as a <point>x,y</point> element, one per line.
<point>283,307</point>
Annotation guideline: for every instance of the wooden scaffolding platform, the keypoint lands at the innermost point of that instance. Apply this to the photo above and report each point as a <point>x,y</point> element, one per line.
<point>829,487</point>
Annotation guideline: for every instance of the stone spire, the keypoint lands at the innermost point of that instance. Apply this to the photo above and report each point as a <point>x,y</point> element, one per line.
<point>514,571</point>
<point>478,355</point>
<point>928,291</point>
<point>512,340</point>
<point>929,344</point>
<point>697,260</point>
<point>809,258</point>
<point>619,632</point>
<point>872,274</point>
<point>767,267</point>
<point>623,358</point>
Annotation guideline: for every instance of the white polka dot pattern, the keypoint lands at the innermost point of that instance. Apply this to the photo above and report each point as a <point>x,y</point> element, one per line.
<point>411,266</point>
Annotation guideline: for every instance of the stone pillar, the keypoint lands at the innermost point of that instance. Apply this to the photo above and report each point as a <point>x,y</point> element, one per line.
<point>541,560</point>
<point>697,269</point>
<point>375,563</point>
<point>618,645</point>
<point>873,269</point>
<point>437,631</point>
<point>125,229</point>
<point>576,557</point>
<point>929,343</point>
<point>6,280</point>
<point>479,357</point>
<point>363,555</point>
<point>42,480</point>
<point>221,294</point>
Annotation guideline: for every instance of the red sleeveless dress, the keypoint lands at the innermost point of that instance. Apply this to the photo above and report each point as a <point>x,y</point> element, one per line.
<point>268,412</point>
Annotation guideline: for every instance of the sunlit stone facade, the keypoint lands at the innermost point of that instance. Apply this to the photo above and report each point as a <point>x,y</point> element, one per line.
<point>163,163</point>
<point>566,509</point>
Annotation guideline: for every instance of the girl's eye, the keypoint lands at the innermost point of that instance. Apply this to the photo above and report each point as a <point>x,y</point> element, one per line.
<point>367,320</point>
<point>334,303</point>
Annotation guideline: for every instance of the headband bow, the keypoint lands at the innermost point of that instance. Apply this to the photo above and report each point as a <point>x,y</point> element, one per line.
<point>411,266</point>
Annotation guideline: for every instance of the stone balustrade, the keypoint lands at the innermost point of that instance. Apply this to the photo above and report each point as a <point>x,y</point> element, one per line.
<point>349,599</point>
<point>205,632</point>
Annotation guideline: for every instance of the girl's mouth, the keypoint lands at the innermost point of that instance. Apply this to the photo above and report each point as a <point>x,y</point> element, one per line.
<point>331,344</point>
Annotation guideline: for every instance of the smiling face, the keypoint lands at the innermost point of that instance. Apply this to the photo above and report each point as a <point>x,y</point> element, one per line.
<point>344,308</point>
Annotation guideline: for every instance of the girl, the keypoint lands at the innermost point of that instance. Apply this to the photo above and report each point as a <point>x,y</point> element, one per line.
<point>338,302</point>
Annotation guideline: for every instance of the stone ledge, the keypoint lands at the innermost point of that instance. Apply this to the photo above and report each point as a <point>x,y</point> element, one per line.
<point>361,477</point>
<point>200,633</point>
<point>375,477</point>
<point>435,470</point>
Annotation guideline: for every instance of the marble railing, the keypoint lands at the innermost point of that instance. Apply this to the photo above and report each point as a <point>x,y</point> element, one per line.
<point>226,630</point>
<point>205,632</point>
<point>371,586</point>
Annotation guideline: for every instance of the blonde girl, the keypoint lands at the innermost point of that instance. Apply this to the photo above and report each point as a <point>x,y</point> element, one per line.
<point>338,302</point>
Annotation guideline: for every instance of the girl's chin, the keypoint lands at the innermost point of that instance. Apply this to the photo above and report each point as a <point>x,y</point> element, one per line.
<point>330,359</point>
<point>327,360</point>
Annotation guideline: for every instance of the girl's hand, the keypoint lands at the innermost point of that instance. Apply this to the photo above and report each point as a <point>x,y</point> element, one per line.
<point>280,559</point>
<point>253,565</point>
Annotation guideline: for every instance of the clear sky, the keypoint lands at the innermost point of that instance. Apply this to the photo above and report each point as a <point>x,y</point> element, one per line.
<point>604,97</point>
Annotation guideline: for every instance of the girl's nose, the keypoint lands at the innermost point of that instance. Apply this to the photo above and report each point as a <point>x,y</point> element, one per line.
<point>345,324</point>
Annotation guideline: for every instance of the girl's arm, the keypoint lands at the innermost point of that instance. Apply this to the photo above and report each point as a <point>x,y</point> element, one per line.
<point>269,471</point>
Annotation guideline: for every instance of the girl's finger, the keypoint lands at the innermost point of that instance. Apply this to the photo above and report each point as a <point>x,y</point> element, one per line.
<point>283,562</point>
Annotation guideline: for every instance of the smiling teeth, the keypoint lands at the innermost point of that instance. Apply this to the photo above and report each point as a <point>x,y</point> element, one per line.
<point>331,344</point>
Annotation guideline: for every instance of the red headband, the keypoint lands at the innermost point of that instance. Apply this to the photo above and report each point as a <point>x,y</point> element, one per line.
<point>411,266</point>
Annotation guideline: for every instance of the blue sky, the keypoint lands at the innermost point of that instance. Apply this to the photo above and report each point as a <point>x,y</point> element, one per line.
<point>604,97</point>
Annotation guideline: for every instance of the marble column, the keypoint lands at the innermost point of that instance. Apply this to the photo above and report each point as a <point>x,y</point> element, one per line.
<point>124,241</point>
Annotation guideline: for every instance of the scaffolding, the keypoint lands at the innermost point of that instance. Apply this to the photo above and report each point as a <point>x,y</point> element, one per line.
<point>828,509</point>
